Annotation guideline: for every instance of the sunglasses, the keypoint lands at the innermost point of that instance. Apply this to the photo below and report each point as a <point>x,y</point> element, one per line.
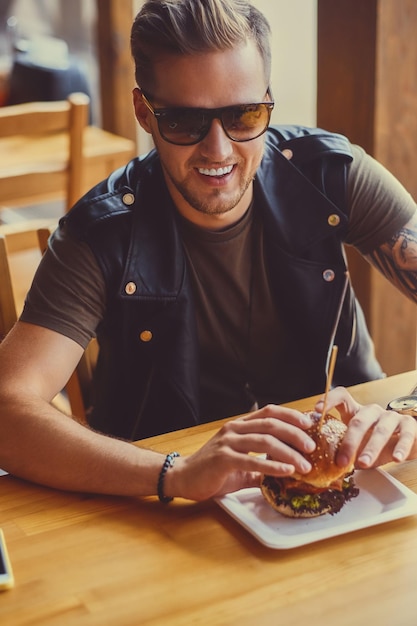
<point>186,126</point>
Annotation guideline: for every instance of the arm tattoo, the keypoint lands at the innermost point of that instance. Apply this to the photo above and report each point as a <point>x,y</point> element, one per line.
<point>397,260</point>
<point>403,246</point>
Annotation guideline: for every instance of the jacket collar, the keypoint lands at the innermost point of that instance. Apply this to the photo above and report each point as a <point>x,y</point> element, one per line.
<point>292,194</point>
<point>302,214</point>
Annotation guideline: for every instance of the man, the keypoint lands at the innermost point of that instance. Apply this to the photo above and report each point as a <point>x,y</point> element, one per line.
<point>212,272</point>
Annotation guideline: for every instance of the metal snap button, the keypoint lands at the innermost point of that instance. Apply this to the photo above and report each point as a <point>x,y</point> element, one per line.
<point>128,198</point>
<point>333,220</point>
<point>130,288</point>
<point>146,335</point>
<point>328,275</point>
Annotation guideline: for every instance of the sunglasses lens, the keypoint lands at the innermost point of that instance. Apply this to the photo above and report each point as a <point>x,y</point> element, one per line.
<point>183,126</point>
<point>246,122</point>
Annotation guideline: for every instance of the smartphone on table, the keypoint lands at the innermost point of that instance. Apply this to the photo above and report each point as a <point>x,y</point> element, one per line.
<point>6,574</point>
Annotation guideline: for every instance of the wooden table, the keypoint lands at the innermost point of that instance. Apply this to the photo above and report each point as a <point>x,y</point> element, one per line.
<point>83,560</point>
<point>103,152</point>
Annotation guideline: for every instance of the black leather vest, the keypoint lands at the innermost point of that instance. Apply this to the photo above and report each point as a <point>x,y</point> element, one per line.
<point>147,372</point>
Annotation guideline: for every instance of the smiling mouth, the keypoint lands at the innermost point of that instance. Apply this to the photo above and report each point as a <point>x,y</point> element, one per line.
<point>220,171</point>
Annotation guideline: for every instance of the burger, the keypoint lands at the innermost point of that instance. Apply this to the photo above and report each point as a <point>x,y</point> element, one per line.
<point>326,488</point>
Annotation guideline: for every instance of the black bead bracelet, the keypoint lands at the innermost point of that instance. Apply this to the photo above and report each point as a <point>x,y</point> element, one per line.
<point>169,462</point>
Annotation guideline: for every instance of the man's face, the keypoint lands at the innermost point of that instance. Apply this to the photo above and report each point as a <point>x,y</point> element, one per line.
<point>211,181</point>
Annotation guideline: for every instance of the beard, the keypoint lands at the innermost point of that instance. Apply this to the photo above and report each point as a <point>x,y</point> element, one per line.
<point>218,203</point>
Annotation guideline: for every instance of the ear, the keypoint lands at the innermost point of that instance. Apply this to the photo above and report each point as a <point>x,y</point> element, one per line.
<point>142,112</point>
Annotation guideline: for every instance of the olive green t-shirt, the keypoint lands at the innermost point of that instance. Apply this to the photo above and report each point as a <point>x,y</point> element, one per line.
<point>242,343</point>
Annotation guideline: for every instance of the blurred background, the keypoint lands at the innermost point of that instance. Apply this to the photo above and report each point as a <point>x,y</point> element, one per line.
<point>28,23</point>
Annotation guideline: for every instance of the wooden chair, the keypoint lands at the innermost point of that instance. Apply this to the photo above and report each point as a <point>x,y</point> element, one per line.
<point>79,386</point>
<point>20,253</point>
<point>39,171</point>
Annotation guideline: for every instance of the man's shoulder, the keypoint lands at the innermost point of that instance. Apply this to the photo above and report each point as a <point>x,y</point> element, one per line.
<point>114,197</point>
<point>306,143</point>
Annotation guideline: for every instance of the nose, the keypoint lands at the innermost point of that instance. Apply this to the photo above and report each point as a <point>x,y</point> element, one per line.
<point>216,145</point>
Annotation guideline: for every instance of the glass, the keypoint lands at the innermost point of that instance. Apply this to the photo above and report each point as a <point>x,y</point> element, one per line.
<point>186,126</point>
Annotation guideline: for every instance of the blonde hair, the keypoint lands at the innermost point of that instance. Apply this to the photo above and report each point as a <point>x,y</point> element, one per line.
<point>187,27</point>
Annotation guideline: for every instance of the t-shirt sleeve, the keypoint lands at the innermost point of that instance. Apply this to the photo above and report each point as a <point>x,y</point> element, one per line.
<point>379,204</point>
<point>68,291</point>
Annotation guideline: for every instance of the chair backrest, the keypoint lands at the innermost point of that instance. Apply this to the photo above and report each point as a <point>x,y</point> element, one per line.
<point>19,258</point>
<point>80,384</point>
<point>32,168</point>
<point>21,249</point>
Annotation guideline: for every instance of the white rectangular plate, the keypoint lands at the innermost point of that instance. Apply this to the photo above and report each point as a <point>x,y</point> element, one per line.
<point>381,499</point>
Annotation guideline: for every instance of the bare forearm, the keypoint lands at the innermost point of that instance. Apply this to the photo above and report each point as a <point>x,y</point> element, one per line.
<point>40,444</point>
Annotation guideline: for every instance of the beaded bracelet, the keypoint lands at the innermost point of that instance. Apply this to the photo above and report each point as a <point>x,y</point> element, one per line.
<point>169,462</point>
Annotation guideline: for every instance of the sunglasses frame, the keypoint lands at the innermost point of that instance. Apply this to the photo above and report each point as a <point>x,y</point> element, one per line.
<point>212,114</point>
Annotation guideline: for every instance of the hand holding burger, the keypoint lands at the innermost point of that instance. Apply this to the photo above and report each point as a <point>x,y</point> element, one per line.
<point>326,488</point>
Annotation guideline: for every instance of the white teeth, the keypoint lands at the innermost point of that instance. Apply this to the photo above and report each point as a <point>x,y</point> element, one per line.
<point>221,171</point>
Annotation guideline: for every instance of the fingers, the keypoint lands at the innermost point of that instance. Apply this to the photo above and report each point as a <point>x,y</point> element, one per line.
<point>376,436</point>
<point>339,398</point>
<point>272,431</point>
<point>282,457</point>
<point>407,438</point>
<point>269,437</point>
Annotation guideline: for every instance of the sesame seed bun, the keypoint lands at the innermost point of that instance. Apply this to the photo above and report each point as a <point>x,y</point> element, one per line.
<point>326,488</point>
<point>328,435</point>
